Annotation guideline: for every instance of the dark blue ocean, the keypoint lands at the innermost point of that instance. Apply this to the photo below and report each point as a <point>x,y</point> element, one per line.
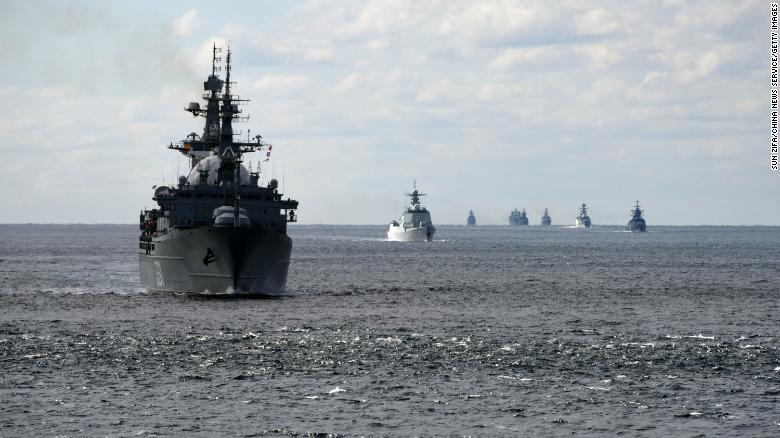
<point>487,331</point>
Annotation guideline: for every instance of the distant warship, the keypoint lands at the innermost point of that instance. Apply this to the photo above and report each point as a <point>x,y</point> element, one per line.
<point>517,217</point>
<point>546,220</point>
<point>637,222</point>
<point>218,231</point>
<point>472,220</point>
<point>415,223</point>
<point>583,220</point>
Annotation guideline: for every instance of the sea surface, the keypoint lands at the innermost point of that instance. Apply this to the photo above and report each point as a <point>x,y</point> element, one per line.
<point>487,331</point>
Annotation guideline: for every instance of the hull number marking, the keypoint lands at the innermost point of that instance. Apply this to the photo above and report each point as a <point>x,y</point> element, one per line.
<point>210,257</point>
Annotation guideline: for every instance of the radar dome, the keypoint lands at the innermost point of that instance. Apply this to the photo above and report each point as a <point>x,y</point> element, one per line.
<point>211,163</point>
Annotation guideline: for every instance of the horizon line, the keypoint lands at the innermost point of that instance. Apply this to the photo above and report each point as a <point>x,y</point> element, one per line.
<point>445,225</point>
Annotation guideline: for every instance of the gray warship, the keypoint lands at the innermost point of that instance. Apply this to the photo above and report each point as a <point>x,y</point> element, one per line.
<point>471,220</point>
<point>219,230</point>
<point>517,217</point>
<point>637,222</point>
<point>546,219</point>
<point>583,220</point>
<point>415,224</point>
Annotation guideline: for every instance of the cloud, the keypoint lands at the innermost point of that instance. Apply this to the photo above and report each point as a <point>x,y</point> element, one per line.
<point>502,23</point>
<point>596,22</point>
<point>442,90</point>
<point>483,99</point>
<point>187,23</point>
<point>598,56</point>
<point>281,84</point>
<point>526,56</point>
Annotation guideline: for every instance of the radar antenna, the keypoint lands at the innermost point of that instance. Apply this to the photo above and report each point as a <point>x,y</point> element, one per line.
<point>415,195</point>
<point>215,59</point>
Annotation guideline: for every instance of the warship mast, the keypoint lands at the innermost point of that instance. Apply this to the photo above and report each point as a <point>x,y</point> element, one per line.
<point>230,160</point>
<point>214,86</point>
<point>415,195</point>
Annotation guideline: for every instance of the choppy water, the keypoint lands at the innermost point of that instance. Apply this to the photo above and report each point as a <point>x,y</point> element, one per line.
<point>490,331</point>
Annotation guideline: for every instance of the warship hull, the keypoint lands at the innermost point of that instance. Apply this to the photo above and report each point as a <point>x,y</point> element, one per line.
<point>579,223</point>
<point>636,225</point>
<point>418,234</point>
<point>216,260</point>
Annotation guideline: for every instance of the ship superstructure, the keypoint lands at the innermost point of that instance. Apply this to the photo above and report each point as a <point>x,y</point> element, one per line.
<point>415,223</point>
<point>471,220</point>
<point>637,222</point>
<point>219,230</point>
<point>546,219</point>
<point>518,217</point>
<point>583,220</point>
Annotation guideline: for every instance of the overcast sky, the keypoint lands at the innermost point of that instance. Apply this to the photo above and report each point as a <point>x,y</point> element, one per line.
<point>490,105</point>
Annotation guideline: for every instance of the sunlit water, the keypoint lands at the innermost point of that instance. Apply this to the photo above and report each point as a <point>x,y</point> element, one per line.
<point>488,331</point>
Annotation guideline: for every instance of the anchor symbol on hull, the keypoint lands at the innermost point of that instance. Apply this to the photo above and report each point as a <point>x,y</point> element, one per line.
<point>210,257</point>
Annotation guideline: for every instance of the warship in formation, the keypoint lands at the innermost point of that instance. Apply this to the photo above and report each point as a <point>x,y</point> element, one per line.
<point>415,223</point>
<point>219,230</point>
<point>583,220</point>
<point>517,217</point>
<point>471,220</point>
<point>546,219</point>
<point>637,222</point>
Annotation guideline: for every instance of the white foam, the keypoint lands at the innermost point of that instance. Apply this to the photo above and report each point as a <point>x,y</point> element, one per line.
<point>336,390</point>
<point>521,379</point>
<point>34,356</point>
<point>701,336</point>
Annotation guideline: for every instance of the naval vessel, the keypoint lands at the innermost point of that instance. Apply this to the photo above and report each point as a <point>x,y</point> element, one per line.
<point>583,220</point>
<point>471,220</point>
<point>517,217</point>
<point>637,222</point>
<point>546,219</point>
<point>219,230</point>
<point>415,223</point>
